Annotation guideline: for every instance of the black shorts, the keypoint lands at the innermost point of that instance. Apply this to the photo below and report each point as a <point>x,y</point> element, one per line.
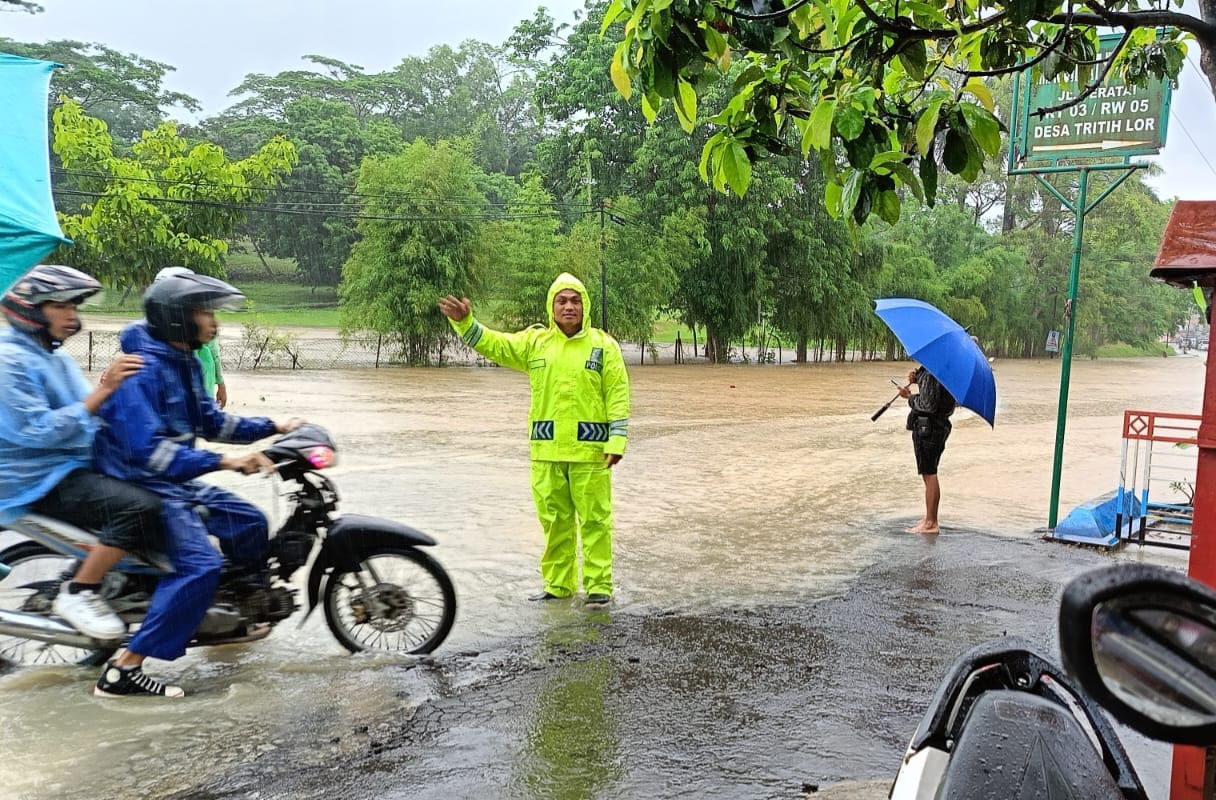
<point>124,516</point>
<point>928,441</point>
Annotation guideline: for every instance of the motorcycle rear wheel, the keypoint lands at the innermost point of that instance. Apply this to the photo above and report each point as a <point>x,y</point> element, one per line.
<point>31,586</point>
<point>400,601</point>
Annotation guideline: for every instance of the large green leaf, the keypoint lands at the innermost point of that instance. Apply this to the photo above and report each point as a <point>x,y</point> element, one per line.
<point>926,126</point>
<point>737,168</point>
<point>928,177</point>
<point>615,9</point>
<point>913,58</point>
<point>821,123</point>
<point>852,191</point>
<point>984,127</point>
<point>954,155</point>
<point>620,77</point>
<point>850,122</point>
<point>1019,12</point>
<point>686,105</point>
<point>888,206</point>
<point>832,192</point>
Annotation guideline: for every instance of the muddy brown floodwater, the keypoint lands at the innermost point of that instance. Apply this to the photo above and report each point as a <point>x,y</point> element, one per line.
<point>774,630</point>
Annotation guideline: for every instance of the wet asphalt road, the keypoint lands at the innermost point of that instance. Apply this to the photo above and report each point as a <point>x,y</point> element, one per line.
<point>783,701</point>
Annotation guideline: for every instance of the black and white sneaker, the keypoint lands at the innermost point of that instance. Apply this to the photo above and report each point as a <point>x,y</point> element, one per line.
<point>116,681</point>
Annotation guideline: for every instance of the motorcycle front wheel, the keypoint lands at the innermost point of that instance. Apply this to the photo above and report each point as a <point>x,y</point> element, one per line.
<point>30,587</point>
<point>399,601</point>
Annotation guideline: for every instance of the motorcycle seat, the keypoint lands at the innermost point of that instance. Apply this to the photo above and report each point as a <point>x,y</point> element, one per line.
<point>49,531</point>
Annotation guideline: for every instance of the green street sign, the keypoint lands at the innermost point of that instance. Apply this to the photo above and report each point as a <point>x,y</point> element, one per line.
<point>1114,120</point>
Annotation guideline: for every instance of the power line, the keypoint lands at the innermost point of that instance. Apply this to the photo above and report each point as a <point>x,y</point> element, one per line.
<point>352,215</point>
<point>1178,119</point>
<point>1195,144</point>
<point>350,191</point>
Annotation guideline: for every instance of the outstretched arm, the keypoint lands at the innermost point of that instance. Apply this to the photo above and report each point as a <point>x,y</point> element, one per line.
<point>508,349</point>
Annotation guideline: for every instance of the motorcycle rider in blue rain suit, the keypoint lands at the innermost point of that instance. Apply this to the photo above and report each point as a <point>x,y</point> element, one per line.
<point>151,424</point>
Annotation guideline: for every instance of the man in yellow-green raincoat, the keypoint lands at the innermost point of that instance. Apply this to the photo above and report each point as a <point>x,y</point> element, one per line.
<point>579,422</point>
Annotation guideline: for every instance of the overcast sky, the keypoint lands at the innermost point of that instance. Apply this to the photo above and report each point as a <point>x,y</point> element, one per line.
<point>213,45</point>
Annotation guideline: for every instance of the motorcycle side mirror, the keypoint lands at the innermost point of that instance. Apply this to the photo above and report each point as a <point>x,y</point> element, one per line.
<point>1141,640</point>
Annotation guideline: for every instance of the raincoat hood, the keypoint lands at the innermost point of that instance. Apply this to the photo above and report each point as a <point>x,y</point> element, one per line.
<point>567,281</point>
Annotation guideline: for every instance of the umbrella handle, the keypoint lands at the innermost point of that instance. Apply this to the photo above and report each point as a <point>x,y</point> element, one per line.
<point>883,410</point>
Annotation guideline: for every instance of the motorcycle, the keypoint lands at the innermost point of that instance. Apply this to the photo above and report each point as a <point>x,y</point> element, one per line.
<point>1139,641</point>
<point>378,589</point>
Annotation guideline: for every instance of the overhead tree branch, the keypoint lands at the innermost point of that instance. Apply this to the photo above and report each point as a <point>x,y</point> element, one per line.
<point>989,73</point>
<point>1201,29</point>
<point>1093,85</point>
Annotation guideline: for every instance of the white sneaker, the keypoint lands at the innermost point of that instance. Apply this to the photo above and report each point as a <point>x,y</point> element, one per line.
<point>88,612</point>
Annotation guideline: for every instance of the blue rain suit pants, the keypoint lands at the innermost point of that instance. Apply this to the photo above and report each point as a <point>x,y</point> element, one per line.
<point>182,598</point>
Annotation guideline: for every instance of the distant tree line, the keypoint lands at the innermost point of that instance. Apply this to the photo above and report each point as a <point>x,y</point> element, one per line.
<point>484,170</point>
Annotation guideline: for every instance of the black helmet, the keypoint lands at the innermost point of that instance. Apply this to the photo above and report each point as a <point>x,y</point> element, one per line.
<point>170,302</point>
<point>45,283</point>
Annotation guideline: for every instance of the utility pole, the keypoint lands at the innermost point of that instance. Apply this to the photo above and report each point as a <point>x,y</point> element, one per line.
<point>603,271</point>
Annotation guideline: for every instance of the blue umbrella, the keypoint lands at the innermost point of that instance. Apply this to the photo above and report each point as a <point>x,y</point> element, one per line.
<point>945,349</point>
<point>28,226</point>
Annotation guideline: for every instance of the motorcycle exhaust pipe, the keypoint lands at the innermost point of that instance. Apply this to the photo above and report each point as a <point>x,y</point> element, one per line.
<point>44,629</point>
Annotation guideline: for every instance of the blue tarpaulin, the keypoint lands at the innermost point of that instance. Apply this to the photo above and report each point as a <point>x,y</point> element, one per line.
<point>1095,522</point>
<point>28,226</point>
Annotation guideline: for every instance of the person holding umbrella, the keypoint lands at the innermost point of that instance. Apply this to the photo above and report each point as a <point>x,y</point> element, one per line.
<point>929,421</point>
<point>953,372</point>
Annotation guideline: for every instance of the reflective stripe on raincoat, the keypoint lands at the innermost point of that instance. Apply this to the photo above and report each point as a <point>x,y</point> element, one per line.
<point>580,387</point>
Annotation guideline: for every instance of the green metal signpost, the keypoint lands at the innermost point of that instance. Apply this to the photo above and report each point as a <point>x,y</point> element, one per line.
<point>1104,130</point>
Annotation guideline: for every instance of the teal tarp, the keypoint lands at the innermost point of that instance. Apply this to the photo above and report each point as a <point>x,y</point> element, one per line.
<point>28,227</point>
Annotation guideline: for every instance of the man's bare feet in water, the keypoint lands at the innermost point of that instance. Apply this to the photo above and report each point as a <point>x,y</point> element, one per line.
<point>924,527</point>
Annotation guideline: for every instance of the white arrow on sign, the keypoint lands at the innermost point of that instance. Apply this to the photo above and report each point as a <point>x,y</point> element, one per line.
<point>1107,144</point>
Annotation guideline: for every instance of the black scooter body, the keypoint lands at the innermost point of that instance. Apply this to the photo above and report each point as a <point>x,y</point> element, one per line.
<point>1007,723</point>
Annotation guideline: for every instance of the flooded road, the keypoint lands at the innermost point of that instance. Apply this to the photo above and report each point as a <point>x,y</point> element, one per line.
<point>773,629</point>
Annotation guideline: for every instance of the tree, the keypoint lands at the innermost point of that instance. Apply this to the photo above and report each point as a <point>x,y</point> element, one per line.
<point>523,256</point>
<point>309,218</point>
<point>1118,301</point>
<point>897,88</point>
<point>635,260</point>
<point>594,134</point>
<point>124,90</point>
<point>420,240</point>
<point>20,5</point>
<point>166,203</point>
<point>821,285</point>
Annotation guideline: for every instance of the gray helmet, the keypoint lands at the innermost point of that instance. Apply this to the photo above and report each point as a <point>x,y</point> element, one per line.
<point>170,302</point>
<point>45,283</point>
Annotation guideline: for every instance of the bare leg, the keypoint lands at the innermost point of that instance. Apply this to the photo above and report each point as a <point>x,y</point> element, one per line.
<point>97,563</point>
<point>932,500</point>
<point>128,658</point>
